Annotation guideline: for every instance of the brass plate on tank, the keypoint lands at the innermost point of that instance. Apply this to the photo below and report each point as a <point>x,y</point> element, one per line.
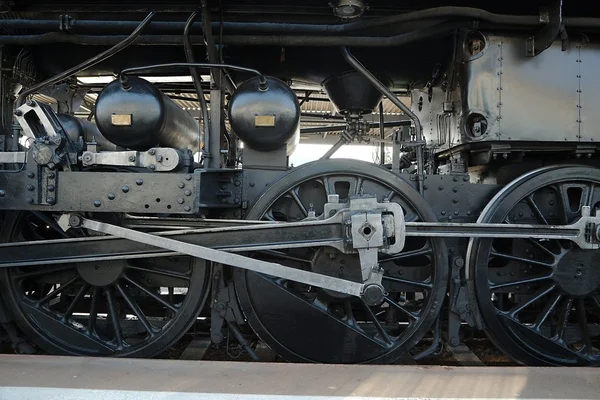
<point>264,120</point>
<point>121,119</point>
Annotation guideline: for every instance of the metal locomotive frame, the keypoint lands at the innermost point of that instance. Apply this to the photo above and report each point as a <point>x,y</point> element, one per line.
<point>117,233</point>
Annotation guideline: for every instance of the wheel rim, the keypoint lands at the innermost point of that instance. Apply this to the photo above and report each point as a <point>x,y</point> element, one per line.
<point>540,298</point>
<point>116,308</point>
<point>311,324</point>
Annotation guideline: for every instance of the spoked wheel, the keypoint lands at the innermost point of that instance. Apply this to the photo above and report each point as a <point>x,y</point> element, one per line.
<point>309,324</point>
<point>540,298</point>
<point>130,308</point>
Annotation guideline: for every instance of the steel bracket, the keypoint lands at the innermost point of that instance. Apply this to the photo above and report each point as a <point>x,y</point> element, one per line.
<point>552,17</point>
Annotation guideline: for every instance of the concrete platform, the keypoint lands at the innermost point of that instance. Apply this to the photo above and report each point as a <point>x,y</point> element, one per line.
<point>49,378</point>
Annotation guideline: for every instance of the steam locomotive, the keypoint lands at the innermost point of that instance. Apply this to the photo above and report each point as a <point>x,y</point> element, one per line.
<point>126,215</point>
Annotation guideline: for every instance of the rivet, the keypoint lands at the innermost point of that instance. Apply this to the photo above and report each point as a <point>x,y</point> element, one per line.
<point>455,212</point>
<point>238,183</point>
<point>188,192</point>
<point>51,201</point>
<point>188,177</point>
<point>97,203</point>
<point>139,182</point>
<point>469,213</point>
<point>440,187</point>
<point>152,167</point>
<point>455,179</point>
<point>443,212</point>
<point>111,196</point>
<point>186,208</point>
<point>31,188</point>
<point>125,189</point>
<point>152,152</point>
<point>51,188</point>
<point>180,200</point>
<point>51,175</point>
<point>237,200</point>
<point>29,200</point>
<point>455,190</point>
<point>30,175</point>
<point>181,185</point>
<point>2,193</point>
<point>252,184</point>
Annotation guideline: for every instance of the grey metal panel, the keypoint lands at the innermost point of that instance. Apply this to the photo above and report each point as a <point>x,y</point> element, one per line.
<point>544,98</point>
<point>524,98</point>
<point>589,67</point>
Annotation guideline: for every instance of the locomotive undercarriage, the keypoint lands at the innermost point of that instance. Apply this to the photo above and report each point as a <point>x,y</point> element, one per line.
<point>115,247</point>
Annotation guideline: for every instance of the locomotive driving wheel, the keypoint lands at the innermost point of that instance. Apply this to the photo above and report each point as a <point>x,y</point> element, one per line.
<point>308,324</point>
<point>129,308</point>
<point>540,299</point>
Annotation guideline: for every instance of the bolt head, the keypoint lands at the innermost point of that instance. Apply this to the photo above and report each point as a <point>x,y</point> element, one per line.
<point>74,221</point>
<point>111,196</point>
<point>152,152</point>
<point>139,182</point>
<point>97,203</point>
<point>125,189</point>
<point>131,158</point>
<point>152,167</point>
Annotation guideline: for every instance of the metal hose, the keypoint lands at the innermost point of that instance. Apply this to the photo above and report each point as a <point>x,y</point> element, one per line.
<point>88,63</point>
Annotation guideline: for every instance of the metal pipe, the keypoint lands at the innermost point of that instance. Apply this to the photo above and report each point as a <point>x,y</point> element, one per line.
<point>333,149</point>
<point>388,93</point>
<point>88,63</point>
<point>197,81</point>
<point>235,40</point>
<point>339,128</point>
<point>242,340</point>
<point>381,134</point>
<point>294,28</point>
<point>127,71</point>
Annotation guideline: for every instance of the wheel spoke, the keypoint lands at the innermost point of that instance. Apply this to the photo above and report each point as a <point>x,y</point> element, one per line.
<point>412,253</point>
<point>398,307</point>
<point>540,246</point>
<point>82,291</point>
<point>113,315</point>
<point>281,254</point>
<point>494,286</point>
<point>583,326</point>
<point>151,294</point>
<point>294,195</point>
<point>563,320</point>
<point>159,271</point>
<point>359,185</point>
<point>520,259</point>
<point>424,285</point>
<point>536,210</point>
<point>58,291</point>
<point>538,295</point>
<point>547,311</point>
<point>41,271</point>
<point>595,305</point>
<point>136,310</point>
<point>91,327</point>
<point>382,332</point>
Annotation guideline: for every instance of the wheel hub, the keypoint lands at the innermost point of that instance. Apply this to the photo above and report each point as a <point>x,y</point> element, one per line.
<point>101,273</point>
<point>331,262</point>
<point>578,273</point>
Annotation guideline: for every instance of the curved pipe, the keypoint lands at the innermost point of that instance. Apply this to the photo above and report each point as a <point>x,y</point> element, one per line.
<point>237,40</point>
<point>88,63</point>
<point>261,78</point>
<point>388,93</point>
